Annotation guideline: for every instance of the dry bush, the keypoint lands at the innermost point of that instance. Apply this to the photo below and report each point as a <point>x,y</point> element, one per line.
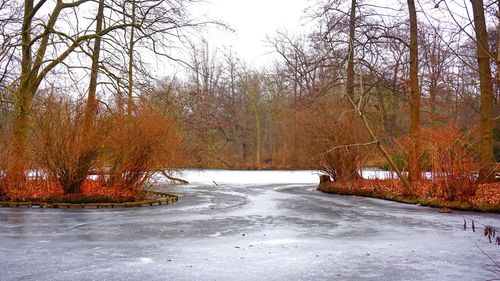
<point>124,150</point>
<point>136,146</point>
<point>450,157</point>
<point>334,138</point>
<point>62,147</point>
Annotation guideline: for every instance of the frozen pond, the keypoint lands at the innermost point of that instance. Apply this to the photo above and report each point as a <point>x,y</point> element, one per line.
<point>268,225</point>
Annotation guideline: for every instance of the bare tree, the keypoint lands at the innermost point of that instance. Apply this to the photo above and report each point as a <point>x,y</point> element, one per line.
<point>35,66</point>
<point>414,157</point>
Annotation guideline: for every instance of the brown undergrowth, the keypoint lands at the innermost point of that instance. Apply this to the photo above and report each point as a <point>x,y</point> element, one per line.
<point>92,191</point>
<point>486,197</point>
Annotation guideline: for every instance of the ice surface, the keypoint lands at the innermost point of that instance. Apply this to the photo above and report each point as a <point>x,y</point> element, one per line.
<point>265,225</point>
<point>210,176</point>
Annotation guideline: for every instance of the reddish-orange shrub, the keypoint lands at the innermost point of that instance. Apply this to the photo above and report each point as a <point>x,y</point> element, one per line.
<point>486,193</point>
<point>136,146</point>
<point>449,154</point>
<point>334,138</point>
<point>122,149</point>
<point>62,146</point>
<point>34,189</point>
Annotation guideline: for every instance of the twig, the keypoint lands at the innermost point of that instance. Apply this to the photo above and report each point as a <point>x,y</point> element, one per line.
<point>346,146</point>
<point>174,178</point>
<point>477,222</point>
<point>492,260</point>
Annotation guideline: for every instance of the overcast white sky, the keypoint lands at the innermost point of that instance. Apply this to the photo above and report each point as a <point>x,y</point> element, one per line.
<point>252,21</point>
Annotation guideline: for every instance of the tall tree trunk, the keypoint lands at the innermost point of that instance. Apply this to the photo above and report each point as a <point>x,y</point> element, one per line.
<point>17,159</point>
<point>29,80</point>
<point>88,155</point>
<point>91,108</point>
<point>130,98</point>
<point>414,157</point>
<point>486,123</point>
<point>351,172</point>
<point>350,59</point>
<point>17,162</point>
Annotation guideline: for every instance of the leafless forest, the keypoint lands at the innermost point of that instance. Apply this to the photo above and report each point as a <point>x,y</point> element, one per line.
<point>410,87</point>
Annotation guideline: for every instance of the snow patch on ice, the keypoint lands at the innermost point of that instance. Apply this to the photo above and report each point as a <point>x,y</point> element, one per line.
<point>146,260</point>
<point>279,242</point>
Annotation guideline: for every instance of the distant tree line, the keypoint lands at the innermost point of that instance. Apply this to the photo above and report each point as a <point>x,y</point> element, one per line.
<point>404,73</point>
